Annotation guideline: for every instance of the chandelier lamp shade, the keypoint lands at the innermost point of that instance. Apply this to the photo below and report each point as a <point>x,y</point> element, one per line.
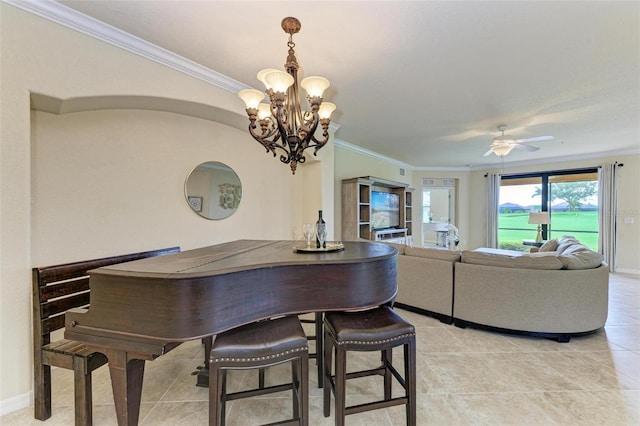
<point>285,127</point>
<point>539,218</point>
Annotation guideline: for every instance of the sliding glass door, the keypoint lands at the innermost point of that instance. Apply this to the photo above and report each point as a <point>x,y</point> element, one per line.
<point>570,197</point>
<point>573,207</point>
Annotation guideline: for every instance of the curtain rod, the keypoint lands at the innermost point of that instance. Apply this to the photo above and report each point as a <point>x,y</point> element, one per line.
<point>598,167</point>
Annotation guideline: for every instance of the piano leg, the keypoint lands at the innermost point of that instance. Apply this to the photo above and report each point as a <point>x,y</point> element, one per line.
<point>126,380</point>
<point>203,374</point>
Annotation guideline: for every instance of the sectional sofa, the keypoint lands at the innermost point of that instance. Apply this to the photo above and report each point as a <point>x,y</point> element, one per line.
<point>558,292</point>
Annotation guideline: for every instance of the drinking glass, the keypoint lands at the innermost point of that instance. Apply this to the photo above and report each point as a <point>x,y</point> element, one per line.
<point>309,231</point>
<point>321,233</point>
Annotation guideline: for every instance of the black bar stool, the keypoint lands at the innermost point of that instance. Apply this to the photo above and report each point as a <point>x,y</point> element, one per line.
<point>379,329</point>
<point>257,346</point>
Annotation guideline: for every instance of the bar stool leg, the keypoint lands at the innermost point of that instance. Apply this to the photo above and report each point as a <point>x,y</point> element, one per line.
<point>340,383</point>
<point>387,356</point>
<point>326,376</point>
<point>319,347</point>
<point>296,370</point>
<point>410,375</point>
<point>216,401</point>
<point>303,387</point>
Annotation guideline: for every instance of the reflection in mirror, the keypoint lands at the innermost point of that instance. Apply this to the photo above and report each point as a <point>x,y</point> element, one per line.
<point>213,190</point>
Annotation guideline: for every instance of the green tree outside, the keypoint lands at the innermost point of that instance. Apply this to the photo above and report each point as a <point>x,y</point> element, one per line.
<point>571,192</point>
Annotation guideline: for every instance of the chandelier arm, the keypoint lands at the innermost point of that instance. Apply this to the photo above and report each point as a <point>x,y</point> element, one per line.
<point>263,138</point>
<point>318,143</point>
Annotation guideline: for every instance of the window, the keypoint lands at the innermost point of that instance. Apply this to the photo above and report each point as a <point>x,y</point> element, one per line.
<point>570,197</point>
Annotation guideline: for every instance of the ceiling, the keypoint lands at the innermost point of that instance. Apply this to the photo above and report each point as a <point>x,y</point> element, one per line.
<point>428,82</point>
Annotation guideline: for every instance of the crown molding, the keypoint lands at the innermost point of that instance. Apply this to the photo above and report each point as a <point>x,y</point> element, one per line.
<point>482,167</point>
<point>596,155</point>
<point>355,148</point>
<point>60,14</point>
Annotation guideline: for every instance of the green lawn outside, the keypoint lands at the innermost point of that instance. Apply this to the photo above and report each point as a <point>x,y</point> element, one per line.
<point>582,225</point>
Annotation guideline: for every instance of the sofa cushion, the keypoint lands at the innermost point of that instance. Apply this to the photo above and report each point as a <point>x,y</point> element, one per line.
<point>502,252</point>
<point>565,242</point>
<point>447,255</point>
<point>578,256</point>
<point>550,245</point>
<point>529,261</point>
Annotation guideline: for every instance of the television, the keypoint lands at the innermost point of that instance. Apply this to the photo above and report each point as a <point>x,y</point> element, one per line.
<point>385,210</point>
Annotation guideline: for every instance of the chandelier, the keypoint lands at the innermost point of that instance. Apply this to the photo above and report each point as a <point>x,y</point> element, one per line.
<point>284,126</point>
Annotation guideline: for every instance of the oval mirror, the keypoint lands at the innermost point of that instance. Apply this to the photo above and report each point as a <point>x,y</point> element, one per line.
<point>213,190</point>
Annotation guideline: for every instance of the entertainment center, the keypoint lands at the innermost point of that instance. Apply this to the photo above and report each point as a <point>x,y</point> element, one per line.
<point>376,209</point>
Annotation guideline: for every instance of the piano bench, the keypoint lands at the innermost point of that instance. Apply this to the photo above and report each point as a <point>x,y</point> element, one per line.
<point>379,329</point>
<point>56,289</point>
<point>257,346</point>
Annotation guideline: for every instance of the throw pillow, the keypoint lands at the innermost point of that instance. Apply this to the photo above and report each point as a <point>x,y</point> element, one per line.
<point>581,259</point>
<point>550,245</point>
<point>565,242</point>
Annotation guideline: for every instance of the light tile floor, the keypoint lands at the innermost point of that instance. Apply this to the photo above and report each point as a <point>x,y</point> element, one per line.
<point>465,377</point>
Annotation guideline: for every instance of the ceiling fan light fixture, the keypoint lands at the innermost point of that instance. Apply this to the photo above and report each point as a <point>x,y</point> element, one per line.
<point>502,150</point>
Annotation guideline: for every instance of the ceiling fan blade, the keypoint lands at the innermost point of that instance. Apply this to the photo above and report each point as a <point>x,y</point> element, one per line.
<point>488,153</point>
<point>535,139</point>
<point>525,147</point>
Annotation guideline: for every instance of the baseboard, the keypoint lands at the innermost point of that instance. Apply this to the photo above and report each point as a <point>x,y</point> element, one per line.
<point>559,337</point>
<point>627,271</point>
<point>15,403</point>
<point>442,317</point>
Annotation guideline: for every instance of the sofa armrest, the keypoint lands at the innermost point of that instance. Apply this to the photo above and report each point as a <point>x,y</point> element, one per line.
<point>426,284</point>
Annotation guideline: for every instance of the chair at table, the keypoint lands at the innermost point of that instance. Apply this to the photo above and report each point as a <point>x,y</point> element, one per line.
<point>257,346</point>
<point>380,329</point>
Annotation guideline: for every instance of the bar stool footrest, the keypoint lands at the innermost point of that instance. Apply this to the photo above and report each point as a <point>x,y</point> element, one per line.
<point>375,405</point>
<point>260,391</point>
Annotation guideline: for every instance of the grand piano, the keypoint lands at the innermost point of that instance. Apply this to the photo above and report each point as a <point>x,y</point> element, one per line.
<point>141,310</point>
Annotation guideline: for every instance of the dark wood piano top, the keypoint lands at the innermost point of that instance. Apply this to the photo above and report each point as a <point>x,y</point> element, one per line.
<point>205,291</point>
<point>242,255</point>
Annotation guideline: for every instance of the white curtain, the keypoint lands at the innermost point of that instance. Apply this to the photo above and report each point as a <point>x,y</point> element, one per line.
<point>493,201</point>
<point>608,213</point>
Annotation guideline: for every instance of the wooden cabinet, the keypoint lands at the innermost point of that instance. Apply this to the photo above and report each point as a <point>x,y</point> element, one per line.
<point>357,210</point>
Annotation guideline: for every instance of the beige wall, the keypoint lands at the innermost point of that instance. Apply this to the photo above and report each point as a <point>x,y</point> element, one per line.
<point>96,183</point>
<point>101,177</point>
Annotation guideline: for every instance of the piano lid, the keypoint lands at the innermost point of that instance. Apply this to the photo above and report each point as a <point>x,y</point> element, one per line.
<point>242,255</point>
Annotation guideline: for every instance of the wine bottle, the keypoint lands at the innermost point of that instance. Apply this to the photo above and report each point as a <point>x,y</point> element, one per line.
<point>321,227</point>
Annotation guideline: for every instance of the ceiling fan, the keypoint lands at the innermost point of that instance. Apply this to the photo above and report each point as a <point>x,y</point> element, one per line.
<point>503,144</point>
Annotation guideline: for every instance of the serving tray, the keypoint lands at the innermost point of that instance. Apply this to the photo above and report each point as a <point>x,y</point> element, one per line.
<point>330,247</point>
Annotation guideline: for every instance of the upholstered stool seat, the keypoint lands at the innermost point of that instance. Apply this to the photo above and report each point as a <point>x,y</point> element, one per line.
<point>379,329</point>
<point>256,346</point>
